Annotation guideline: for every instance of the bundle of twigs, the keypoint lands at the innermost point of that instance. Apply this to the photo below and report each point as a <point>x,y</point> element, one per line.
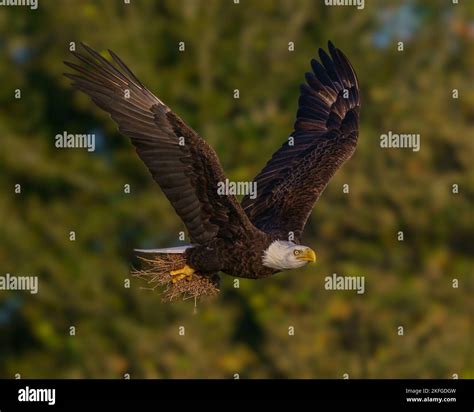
<point>156,272</point>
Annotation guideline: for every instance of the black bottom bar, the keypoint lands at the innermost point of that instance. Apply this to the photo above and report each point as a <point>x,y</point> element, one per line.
<point>405,394</point>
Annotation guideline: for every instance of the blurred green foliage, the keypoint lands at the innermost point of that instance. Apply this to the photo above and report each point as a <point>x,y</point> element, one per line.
<point>239,46</point>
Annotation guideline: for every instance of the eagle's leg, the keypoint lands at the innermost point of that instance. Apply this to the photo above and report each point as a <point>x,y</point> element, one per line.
<point>185,272</point>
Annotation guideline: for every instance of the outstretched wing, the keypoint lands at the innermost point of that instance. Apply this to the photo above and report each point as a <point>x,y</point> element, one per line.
<point>185,167</point>
<point>325,136</point>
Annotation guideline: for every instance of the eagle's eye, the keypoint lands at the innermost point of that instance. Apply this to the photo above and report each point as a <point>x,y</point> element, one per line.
<point>296,252</point>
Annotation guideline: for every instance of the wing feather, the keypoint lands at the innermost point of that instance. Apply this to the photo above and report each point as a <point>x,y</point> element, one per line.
<point>324,137</point>
<point>188,174</point>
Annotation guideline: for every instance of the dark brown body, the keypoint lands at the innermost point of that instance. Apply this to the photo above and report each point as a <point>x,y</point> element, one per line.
<point>242,258</point>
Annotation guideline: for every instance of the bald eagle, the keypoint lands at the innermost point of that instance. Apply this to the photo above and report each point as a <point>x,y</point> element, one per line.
<point>261,235</point>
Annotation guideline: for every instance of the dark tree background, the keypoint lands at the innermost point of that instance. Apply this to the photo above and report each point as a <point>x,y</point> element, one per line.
<point>242,46</point>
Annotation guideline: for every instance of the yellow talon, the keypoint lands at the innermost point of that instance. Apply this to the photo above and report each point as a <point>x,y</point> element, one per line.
<point>177,278</point>
<point>185,272</point>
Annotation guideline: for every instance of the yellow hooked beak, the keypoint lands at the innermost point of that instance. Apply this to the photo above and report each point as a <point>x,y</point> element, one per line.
<point>308,255</point>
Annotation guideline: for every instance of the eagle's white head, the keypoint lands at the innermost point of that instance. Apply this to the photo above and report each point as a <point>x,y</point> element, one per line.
<point>287,255</point>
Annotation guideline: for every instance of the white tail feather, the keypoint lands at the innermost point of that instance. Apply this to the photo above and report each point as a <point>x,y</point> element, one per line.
<point>177,249</point>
